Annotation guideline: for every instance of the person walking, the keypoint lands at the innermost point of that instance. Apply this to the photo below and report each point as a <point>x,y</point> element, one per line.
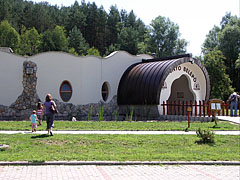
<point>40,113</point>
<point>49,106</point>
<point>33,118</point>
<point>233,98</point>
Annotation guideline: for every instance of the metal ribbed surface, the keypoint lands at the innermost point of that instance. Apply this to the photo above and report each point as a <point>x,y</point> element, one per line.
<point>142,83</point>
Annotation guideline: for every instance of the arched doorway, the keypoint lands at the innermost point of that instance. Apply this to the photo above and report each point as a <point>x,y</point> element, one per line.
<point>180,91</point>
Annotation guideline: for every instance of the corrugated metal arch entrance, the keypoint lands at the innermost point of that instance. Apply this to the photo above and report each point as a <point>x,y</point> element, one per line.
<point>141,83</point>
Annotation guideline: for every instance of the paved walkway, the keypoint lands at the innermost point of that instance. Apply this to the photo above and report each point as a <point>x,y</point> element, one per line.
<point>230,119</point>
<point>163,172</point>
<point>122,132</point>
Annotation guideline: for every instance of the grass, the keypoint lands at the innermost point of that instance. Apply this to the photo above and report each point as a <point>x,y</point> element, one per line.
<point>120,125</point>
<point>33,147</point>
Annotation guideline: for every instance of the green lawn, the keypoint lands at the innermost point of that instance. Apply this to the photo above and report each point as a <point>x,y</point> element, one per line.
<point>34,147</point>
<point>119,125</point>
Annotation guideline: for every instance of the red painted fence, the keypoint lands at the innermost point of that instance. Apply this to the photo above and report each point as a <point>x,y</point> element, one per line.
<point>198,109</point>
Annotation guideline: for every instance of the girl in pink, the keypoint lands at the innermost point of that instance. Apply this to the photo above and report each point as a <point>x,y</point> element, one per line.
<point>40,113</point>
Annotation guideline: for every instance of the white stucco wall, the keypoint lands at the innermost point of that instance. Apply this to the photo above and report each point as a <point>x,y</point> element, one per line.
<point>182,70</point>
<point>11,69</point>
<point>86,74</point>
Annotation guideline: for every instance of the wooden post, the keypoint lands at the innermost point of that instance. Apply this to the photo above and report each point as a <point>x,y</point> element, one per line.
<point>179,107</point>
<point>167,108</point>
<point>183,108</point>
<point>208,110</point>
<point>200,108</point>
<point>175,107</point>
<point>219,110</point>
<point>163,107</point>
<point>195,108</point>
<point>227,106</point>
<point>204,110</point>
<point>171,108</point>
<point>223,108</point>
<point>191,105</point>
<point>189,109</point>
<point>186,105</point>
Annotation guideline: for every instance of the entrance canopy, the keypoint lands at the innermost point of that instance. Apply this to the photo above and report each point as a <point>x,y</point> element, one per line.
<point>152,80</point>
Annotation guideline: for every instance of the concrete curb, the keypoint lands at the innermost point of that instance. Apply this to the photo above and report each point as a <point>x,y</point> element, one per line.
<point>120,163</point>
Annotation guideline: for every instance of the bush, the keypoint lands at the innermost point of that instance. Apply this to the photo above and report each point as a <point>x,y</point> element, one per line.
<point>206,136</point>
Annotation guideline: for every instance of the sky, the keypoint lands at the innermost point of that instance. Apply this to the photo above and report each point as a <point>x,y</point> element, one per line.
<point>195,18</point>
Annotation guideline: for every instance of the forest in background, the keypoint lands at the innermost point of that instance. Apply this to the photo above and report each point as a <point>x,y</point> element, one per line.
<point>85,29</point>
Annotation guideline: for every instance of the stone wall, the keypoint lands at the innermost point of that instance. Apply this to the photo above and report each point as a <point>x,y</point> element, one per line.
<point>88,111</point>
<point>28,100</point>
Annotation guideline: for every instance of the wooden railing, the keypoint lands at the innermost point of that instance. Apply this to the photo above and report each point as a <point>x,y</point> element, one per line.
<point>200,108</point>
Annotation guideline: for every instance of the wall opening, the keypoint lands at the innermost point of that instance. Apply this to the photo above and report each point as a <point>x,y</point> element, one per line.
<point>105,91</point>
<point>180,90</point>
<point>65,91</point>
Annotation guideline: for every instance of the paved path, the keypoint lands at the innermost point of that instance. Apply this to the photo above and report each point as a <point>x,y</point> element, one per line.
<point>121,132</point>
<point>229,118</point>
<point>165,172</point>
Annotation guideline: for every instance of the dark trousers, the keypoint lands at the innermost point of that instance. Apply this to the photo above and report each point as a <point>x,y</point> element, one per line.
<point>49,120</point>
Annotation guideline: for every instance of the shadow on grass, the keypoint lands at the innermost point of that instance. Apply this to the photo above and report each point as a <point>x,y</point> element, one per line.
<point>200,142</point>
<point>40,136</point>
<point>216,127</point>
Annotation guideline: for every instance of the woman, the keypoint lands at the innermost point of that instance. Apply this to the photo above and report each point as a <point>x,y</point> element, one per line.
<point>48,113</point>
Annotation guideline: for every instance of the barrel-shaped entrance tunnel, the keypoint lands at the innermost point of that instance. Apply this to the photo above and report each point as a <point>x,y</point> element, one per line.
<point>153,81</point>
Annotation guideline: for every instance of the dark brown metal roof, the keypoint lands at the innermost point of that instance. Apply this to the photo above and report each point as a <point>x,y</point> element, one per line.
<point>141,83</point>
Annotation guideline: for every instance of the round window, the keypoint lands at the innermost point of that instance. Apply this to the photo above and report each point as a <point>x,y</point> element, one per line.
<point>66,91</point>
<point>105,91</point>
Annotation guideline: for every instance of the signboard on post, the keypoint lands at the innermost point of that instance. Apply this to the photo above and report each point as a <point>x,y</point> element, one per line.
<point>215,106</point>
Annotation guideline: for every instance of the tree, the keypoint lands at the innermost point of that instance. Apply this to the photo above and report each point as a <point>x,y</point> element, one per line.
<point>47,43</point>
<point>165,38</point>
<point>128,40</point>
<point>112,48</point>
<point>4,10</point>
<point>113,25</point>
<point>93,52</point>
<point>226,39</point>
<point>96,20</point>
<point>229,44</point>
<point>59,39</point>
<point>238,62</point>
<point>76,17</point>
<point>9,37</point>
<point>77,41</point>
<point>30,42</point>
<point>211,41</point>
<point>220,81</point>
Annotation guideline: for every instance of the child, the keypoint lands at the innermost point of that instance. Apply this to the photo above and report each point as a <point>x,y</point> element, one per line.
<point>33,118</point>
<point>40,113</point>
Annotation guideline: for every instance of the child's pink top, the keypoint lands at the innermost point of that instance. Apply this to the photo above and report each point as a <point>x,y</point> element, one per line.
<point>39,112</point>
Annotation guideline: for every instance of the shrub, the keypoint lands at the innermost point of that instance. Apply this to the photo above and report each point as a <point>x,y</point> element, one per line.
<point>206,136</point>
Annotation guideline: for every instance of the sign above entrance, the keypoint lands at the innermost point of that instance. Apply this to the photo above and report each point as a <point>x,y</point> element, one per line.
<point>186,70</point>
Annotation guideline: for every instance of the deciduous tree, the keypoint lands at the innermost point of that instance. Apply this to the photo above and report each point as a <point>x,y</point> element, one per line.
<point>165,38</point>
<point>220,81</point>
<point>9,37</point>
